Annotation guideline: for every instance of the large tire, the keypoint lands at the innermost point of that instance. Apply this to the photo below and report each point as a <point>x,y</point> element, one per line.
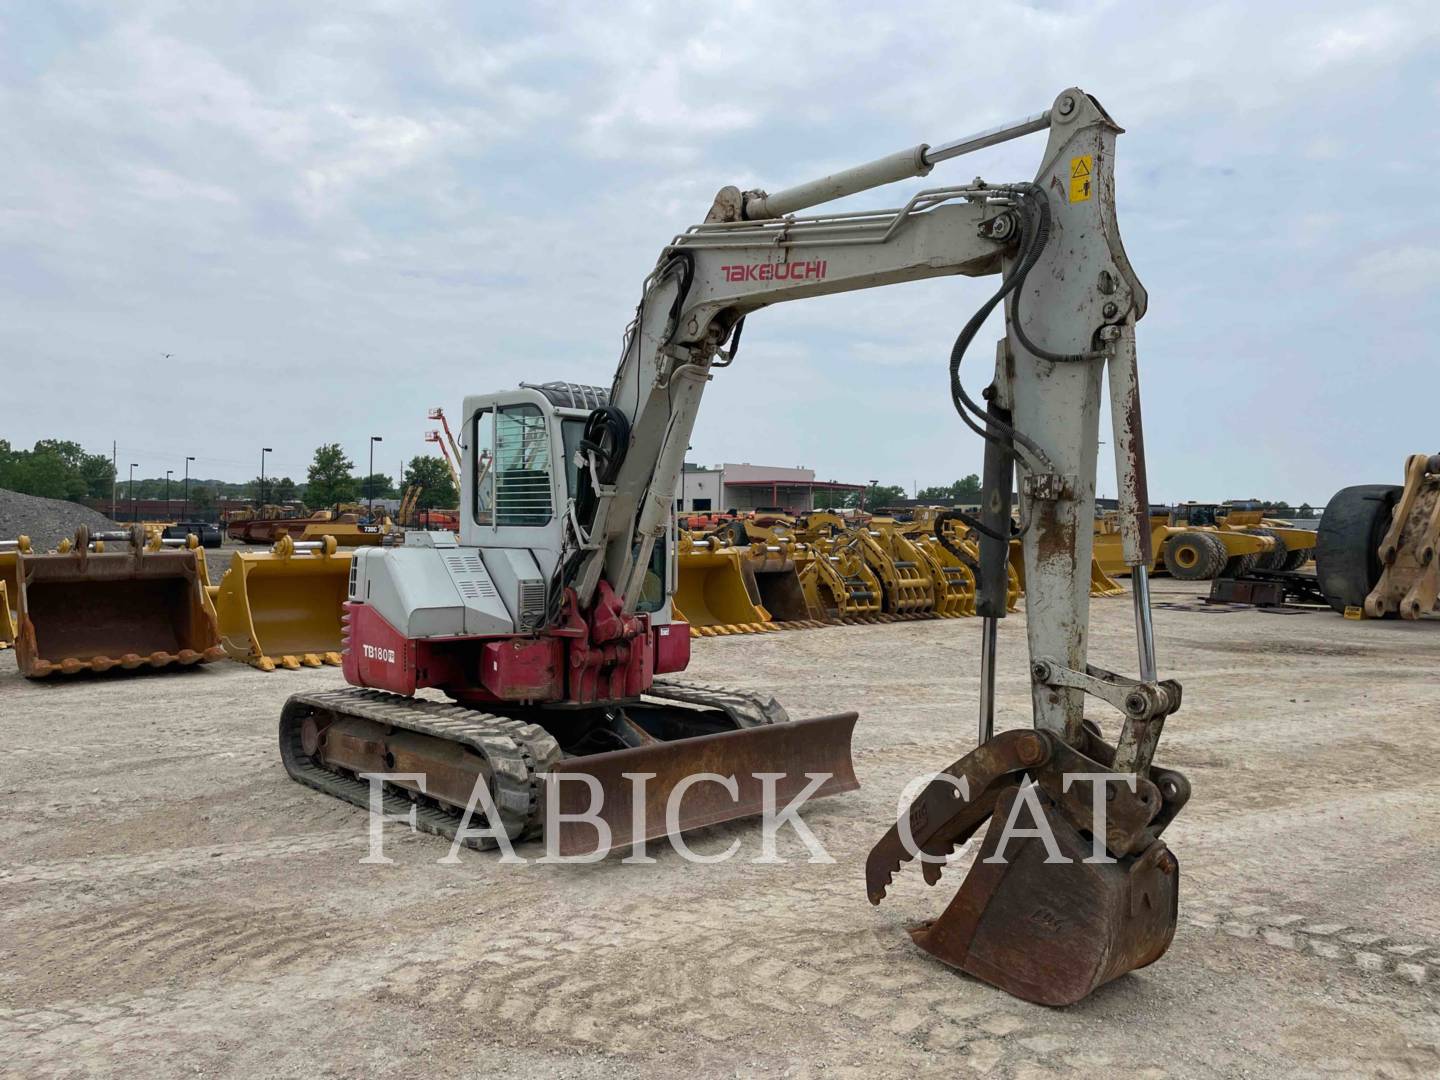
<point>1240,565</point>
<point>1294,560</point>
<point>1274,559</point>
<point>1347,561</point>
<point>1194,556</point>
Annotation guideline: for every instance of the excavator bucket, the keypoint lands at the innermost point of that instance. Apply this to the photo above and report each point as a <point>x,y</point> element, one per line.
<point>83,608</point>
<point>284,607</point>
<point>772,579</point>
<point>1039,915</point>
<point>711,590</point>
<point>7,618</point>
<point>10,551</point>
<point>1101,583</point>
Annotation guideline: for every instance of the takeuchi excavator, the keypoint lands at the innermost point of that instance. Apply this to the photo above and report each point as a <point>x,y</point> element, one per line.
<point>548,622</point>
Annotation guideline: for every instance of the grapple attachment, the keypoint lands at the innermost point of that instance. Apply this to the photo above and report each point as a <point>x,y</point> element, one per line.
<point>283,607</point>
<point>1040,915</point>
<point>87,609</point>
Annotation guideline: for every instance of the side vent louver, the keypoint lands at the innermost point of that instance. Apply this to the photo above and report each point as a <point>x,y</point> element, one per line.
<point>532,604</point>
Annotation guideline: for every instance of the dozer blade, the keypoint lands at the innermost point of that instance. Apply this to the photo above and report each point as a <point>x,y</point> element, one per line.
<point>799,750</point>
<point>84,610</point>
<point>711,591</point>
<point>1038,916</point>
<point>283,608</point>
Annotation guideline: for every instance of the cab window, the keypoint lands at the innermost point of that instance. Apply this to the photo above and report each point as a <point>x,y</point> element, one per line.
<point>482,438</point>
<point>522,466</point>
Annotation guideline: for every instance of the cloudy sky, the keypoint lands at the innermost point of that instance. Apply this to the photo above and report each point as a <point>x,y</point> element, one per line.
<point>335,215</point>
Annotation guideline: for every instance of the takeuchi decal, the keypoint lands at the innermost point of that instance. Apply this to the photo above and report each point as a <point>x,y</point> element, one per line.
<point>813,270</point>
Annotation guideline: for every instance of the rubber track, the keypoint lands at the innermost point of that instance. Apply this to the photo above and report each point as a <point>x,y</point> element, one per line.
<point>517,753</point>
<point>746,708</point>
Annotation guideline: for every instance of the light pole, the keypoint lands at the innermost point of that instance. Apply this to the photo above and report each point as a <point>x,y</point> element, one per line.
<point>260,502</point>
<point>872,494</point>
<point>133,515</point>
<point>370,477</point>
<point>185,511</point>
<point>167,491</point>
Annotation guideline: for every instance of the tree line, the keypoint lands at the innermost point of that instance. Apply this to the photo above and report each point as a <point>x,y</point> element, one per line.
<point>61,469</point>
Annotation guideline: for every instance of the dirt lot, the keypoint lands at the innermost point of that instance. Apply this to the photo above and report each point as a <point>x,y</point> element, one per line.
<point>174,905</point>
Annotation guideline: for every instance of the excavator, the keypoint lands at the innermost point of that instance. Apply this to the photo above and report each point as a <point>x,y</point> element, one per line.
<point>548,621</point>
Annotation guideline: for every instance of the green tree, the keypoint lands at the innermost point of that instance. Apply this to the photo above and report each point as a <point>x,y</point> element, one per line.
<point>202,496</point>
<point>433,475</point>
<point>286,490</point>
<point>97,472</point>
<point>331,478</point>
<point>961,492</point>
<point>882,495</point>
<point>376,486</point>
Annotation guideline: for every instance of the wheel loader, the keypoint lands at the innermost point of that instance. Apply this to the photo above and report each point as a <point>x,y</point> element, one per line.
<point>550,623</point>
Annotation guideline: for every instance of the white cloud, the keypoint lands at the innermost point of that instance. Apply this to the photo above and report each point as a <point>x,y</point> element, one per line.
<point>339,214</point>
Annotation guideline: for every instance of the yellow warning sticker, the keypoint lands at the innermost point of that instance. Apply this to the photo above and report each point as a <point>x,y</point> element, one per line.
<point>1080,177</point>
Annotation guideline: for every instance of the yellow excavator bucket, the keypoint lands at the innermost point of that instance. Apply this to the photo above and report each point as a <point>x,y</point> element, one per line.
<point>10,551</point>
<point>283,607</point>
<point>82,608</point>
<point>773,580</point>
<point>7,618</point>
<point>1101,583</point>
<point>711,592</point>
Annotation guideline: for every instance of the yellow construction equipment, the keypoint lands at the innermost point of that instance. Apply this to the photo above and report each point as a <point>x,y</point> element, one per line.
<point>1375,555</point>
<point>82,608</point>
<point>711,591</point>
<point>906,572</point>
<point>838,582</point>
<point>10,551</point>
<point>1200,541</point>
<point>348,531</point>
<point>284,607</point>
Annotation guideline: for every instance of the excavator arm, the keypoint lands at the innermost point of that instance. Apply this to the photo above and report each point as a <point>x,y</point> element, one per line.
<point>1071,301</point>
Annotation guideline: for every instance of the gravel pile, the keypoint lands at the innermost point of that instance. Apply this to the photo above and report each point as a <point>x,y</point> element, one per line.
<point>45,521</point>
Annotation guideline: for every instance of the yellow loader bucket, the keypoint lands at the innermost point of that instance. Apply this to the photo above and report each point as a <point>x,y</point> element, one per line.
<point>283,607</point>
<point>82,608</point>
<point>711,591</point>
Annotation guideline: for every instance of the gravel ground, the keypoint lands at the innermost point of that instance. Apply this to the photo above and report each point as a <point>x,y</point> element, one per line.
<point>171,904</point>
<point>45,521</point>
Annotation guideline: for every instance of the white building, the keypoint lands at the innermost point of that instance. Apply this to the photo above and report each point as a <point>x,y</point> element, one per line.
<point>741,488</point>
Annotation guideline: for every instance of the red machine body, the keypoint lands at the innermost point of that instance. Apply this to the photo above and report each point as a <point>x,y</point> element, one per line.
<point>606,657</point>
